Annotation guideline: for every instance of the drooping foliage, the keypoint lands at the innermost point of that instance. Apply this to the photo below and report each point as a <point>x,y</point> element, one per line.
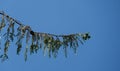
<point>49,43</point>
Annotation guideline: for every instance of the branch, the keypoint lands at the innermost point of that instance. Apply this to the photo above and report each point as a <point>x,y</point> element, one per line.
<point>49,43</point>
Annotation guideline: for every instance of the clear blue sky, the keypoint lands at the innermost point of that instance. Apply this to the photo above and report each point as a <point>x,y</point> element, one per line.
<point>99,17</point>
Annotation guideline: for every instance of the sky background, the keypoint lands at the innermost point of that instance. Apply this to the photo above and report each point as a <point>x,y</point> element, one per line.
<point>99,17</point>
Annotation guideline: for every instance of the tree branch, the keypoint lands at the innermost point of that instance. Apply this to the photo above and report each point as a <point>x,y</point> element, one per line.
<point>47,41</point>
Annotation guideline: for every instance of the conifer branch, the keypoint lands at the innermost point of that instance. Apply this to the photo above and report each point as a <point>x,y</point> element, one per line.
<point>49,43</point>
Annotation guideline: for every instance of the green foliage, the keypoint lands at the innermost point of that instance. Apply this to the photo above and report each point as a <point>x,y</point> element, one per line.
<point>50,43</point>
<point>2,24</point>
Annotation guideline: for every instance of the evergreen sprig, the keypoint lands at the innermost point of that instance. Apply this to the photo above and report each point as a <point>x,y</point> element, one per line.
<point>50,43</point>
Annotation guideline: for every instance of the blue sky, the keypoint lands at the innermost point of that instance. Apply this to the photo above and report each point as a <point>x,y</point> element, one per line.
<point>99,17</point>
